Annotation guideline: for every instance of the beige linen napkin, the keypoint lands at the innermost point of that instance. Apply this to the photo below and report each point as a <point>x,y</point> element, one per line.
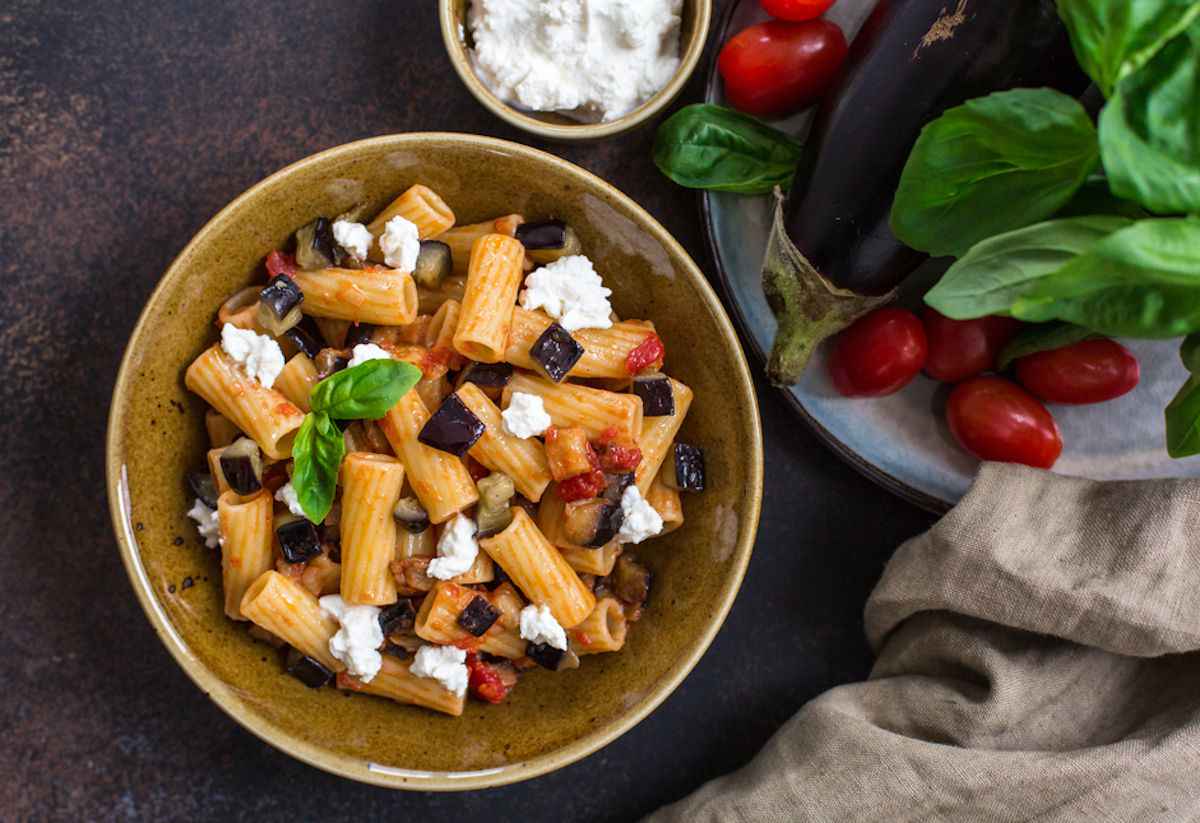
<point>1036,661</point>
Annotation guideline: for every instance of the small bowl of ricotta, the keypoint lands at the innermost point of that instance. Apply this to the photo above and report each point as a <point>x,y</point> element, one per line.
<point>575,69</point>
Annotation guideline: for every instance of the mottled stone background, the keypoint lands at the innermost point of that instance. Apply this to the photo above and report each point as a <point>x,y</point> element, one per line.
<point>124,127</point>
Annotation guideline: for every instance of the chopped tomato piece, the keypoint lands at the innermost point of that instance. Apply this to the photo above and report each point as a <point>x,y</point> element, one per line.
<point>485,681</point>
<point>582,486</point>
<point>280,263</point>
<point>650,352</point>
<point>616,456</point>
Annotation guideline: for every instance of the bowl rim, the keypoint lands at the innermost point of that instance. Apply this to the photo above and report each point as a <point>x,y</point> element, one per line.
<point>688,62</point>
<point>355,768</point>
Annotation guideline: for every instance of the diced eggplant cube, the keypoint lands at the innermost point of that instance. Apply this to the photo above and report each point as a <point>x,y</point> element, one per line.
<point>324,243</point>
<point>453,428</point>
<point>202,485</point>
<point>545,655</point>
<point>241,463</point>
<point>617,484</point>
<point>279,304</point>
<point>630,580</point>
<point>657,398</point>
<point>310,672</point>
<point>592,523</point>
<point>410,514</point>
<point>548,240</point>
<point>685,470</point>
<point>478,616</point>
<point>330,361</point>
<point>398,617</point>
<point>434,264</point>
<point>494,513</point>
<point>556,351</point>
<point>487,375</point>
<point>298,539</point>
<point>358,333</point>
<point>306,337</point>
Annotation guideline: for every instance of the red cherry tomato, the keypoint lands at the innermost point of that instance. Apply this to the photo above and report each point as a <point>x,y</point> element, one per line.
<point>878,354</point>
<point>1091,371</point>
<point>959,349</point>
<point>796,10</point>
<point>995,419</point>
<point>774,69</point>
<point>649,352</point>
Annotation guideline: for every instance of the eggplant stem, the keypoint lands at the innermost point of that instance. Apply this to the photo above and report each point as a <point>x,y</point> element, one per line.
<point>808,307</point>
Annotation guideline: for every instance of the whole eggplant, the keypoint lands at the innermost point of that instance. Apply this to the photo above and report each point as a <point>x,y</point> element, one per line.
<point>832,255</point>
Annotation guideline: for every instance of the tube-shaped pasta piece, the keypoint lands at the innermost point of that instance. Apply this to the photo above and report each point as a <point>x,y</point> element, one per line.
<point>437,622</point>
<point>246,536</point>
<point>370,488</point>
<point>382,296</point>
<point>395,682</point>
<point>460,239</point>
<point>657,435</point>
<point>483,570</point>
<point>297,379</point>
<point>221,431</point>
<point>599,562</point>
<point>522,460</point>
<point>291,612</point>
<point>539,571</point>
<point>665,500</point>
<point>603,631</point>
<point>593,410</point>
<point>421,544</point>
<point>493,279</point>
<point>604,350</point>
<point>439,480</point>
<point>451,288</point>
<point>433,391</point>
<point>439,334</point>
<point>241,310</point>
<point>264,414</point>
<point>420,206</point>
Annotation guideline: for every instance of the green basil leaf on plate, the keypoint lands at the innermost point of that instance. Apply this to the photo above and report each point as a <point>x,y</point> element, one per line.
<point>1042,337</point>
<point>366,391</point>
<point>990,277</point>
<point>713,147</point>
<point>1150,130</point>
<point>1112,38</point>
<point>318,451</point>
<point>1183,420</point>
<point>991,165</point>
<point>1142,281</point>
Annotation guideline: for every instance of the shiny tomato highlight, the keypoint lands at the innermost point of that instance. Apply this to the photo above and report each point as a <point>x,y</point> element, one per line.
<point>774,69</point>
<point>995,419</point>
<point>1091,371</point>
<point>796,10</point>
<point>959,349</point>
<point>878,354</point>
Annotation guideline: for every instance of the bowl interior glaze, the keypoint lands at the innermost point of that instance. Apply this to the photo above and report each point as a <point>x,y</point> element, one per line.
<point>156,434</point>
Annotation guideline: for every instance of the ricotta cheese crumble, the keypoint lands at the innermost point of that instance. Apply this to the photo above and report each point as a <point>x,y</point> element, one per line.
<point>287,496</point>
<point>539,626</point>
<point>207,523</point>
<point>641,520</point>
<point>358,640</point>
<point>445,664</point>
<point>592,60</point>
<point>367,351</point>
<point>570,291</point>
<point>525,416</point>
<point>400,244</point>
<point>353,237</point>
<point>456,549</point>
<point>258,355</point>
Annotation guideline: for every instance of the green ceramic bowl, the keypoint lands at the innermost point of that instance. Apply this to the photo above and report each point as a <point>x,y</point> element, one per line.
<point>156,433</point>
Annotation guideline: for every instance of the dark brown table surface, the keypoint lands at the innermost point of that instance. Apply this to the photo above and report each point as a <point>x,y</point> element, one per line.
<point>125,126</point>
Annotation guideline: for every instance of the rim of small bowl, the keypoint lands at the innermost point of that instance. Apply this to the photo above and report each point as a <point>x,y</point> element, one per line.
<point>456,48</point>
<point>355,768</point>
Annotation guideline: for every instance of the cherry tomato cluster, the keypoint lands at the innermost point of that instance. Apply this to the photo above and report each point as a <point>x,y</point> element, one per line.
<point>777,68</point>
<point>992,417</point>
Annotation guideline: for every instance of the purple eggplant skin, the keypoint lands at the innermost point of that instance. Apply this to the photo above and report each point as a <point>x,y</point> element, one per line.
<point>913,60</point>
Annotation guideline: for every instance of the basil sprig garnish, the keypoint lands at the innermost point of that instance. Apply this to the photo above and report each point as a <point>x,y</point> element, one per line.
<point>364,392</point>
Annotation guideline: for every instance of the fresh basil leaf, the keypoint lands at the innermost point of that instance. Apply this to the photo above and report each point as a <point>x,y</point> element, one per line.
<point>993,274</point>
<point>318,451</point>
<point>1142,281</point>
<point>1150,130</point>
<point>1189,353</point>
<point>1096,197</point>
<point>713,147</point>
<point>992,165</point>
<point>1183,420</point>
<point>1043,337</point>
<point>364,392</point>
<point>1112,38</point>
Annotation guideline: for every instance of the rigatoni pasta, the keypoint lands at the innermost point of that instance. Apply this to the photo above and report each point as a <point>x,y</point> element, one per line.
<point>420,206</point>
<point>297,379</point>
<point>605,351</point>
<point>493,278</point>
<point>522,459</point>
<point>370,488</point>
<point>383,296</point>
<point>291,612</point>
<point>396,681</point>
<point>571,405</point>
<point>245,545</point>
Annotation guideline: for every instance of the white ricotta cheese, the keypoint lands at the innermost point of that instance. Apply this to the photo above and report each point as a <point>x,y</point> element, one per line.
<point>358,640</point>
<point>593,60</point>
<point>571,292</point>
<point>456,548</point>
<point>258,355</point>
<point>641,520</point>
<point>539,626</point>
<point>353,237</point>
<point>207,523</point>
<point>445,664</point>
<point>400,244</point>
<point>525,416</point>
<point>287,496</point>
<point>367,351</point>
